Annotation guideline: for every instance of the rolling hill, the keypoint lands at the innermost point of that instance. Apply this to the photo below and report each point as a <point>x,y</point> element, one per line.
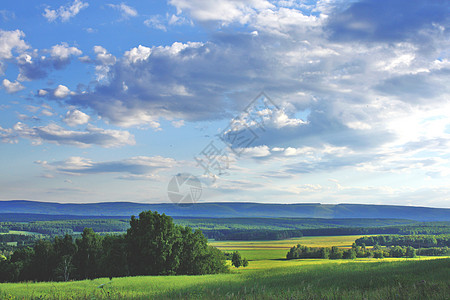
<point>229,210</point>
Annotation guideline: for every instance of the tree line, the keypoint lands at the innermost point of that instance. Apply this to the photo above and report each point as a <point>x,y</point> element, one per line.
<point>61,227</point>
<point>301,251</point>
<point>153,245</point>
<point>270,234</point>
<point>416,241</point>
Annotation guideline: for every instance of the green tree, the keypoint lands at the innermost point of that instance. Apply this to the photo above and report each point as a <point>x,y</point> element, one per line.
<point>150,242</point>
<point>87,258</point>
<point>244,262</point>
<point>378,254</point>
<point>349,254</point>
<point>194,252</point>
<point>22,259</point>
<point>114,259</point>
<point>398,251</point>
<point>335,253</point>
<point>410,252</point>
<point>325,253</point>
<point>64,251</point>
<point>236,259</point>
<point>43,261</point>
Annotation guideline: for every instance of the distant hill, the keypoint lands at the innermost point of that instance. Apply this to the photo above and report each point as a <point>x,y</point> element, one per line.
<point>230,210</point>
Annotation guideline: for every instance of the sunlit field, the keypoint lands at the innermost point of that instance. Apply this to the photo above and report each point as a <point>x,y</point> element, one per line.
<point>268,276</point>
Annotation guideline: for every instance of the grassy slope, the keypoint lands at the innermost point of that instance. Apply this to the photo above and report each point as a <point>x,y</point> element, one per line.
<point>269,277</point>
<point>307,279</point>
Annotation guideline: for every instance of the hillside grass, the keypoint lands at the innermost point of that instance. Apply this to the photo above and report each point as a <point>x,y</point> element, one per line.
<point>268,276</point>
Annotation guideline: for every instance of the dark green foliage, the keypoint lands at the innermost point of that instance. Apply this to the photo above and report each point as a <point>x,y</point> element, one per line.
<point>43,261</point>
<point>336,253</point>
<point>153,245</point>
<point>244,262</point>
<point>410,252</point>
<point>378,254</point>
<point>325,253</point>
<point>398,251</point>
<point>238,261</point>
<point>415,241</point>
<point>301,251</point>
<point>62,227</point>
<point>87,258</point>
<point>114,259</point>
<point>444,251</point>
<point>349,254</point>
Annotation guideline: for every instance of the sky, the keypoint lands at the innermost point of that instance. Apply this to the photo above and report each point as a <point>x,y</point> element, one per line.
<point>328,101</point>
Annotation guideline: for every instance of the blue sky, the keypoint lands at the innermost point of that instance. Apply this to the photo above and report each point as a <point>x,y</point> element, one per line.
<point>107,100</point>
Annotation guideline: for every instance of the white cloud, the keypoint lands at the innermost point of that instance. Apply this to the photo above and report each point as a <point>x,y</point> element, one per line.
<point>63,51</point>
<point>62,91</point>
<point>12,87</point>
<point>65,12</point>
<point>224,11</point>
<point>6,135</point>
<point>156,22</point>
<point>42,93</point>
<point>75,117</point>
<point>139,167</point>
<point>259,151</point>
<point>11,41</point>
<point>127,11</point>
<point>178,123</point>
<point>137,54</point>
<point>104,62</point>
<point>47,113</point>
<point>56,134</point>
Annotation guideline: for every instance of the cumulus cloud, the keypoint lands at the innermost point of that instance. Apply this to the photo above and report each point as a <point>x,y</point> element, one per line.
<point>33,66</point>
<point>371,20</point>
<point>12,87</point>
<point>63,51</point>
<point>65,12</point>
<point>56,134</point>
<point>338,82</point>
<point>225,11</point>
<point>131,168</point>
<point>11,41</point>
<point>61,91</point>
<point>104,61</point>
<point>75,117</point>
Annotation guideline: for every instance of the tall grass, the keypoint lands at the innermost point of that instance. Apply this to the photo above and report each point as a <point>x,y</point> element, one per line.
<point>393,279</point>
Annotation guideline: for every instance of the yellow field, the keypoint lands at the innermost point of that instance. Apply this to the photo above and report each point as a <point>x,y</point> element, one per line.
<point>272,254</point>
<point>272,250</point>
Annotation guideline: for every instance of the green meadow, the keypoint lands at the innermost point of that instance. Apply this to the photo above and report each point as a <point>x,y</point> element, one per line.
<point>268,276</point>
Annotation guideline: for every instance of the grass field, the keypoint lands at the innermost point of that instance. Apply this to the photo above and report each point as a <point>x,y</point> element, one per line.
<point>268,276</point>
<point>20,232</point>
